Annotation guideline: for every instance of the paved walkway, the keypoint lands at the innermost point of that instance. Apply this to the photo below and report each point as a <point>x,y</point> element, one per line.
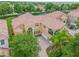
<point>44,44</point>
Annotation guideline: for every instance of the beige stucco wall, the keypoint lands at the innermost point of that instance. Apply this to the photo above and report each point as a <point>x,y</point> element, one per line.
<point>20,30</point>
<point>40,27</point>
<point>4,52</point>
<point>28,26</point>
<point>45,31</point>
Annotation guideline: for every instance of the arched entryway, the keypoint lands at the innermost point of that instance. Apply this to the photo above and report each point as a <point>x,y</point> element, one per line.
<point>30,30</point>
<point>37,32</point>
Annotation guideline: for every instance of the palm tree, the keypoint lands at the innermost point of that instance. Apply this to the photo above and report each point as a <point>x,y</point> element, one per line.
<point>60,40</point>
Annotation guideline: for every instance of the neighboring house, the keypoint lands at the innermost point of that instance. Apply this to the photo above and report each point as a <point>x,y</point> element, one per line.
<point>4,49</point>
<point>45,25</point>
<point>73,16</point>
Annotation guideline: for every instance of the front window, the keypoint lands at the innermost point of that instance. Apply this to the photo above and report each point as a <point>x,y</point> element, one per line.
<point>50,31</point>
<point>2,42</point>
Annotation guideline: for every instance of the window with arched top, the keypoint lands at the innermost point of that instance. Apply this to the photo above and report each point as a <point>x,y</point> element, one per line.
<point>29,29</point>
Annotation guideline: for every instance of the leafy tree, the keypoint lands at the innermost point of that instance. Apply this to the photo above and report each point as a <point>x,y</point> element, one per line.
<point>73,6</point>
<point>49,7</point>
<point>30,7</point>
<point>76,44</point>
<point>6,8</point>
<point>24,7</point>
<point>60,40</point>
<point>24,45</point>
<point>65,7</point>
<point>18,7</point>
<point>72,48</point>
<point>61,36</point>
<point>68,50</point>
<point>77,5</point>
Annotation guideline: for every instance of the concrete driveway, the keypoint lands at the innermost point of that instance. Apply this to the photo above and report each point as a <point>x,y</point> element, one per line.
<point>44,44</point>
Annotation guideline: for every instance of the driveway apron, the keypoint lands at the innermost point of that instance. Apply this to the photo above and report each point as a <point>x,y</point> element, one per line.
<point>44,44</point>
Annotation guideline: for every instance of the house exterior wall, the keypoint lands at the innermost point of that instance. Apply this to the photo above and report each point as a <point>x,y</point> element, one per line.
<point>3,38</point>
<point>42,28</point>
<point>4,52</point>
<point>44,31</point>
<point>28,26</point>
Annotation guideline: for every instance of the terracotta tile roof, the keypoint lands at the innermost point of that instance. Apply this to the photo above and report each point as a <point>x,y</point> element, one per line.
<point>54,24</point>
<point>57,15</point>
<point>3,29</point>
<point>74,12</point>
<point>51,20</point>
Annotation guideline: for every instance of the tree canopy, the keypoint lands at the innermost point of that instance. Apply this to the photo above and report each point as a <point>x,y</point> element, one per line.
<point>60,39</point>
<point>22,7</point>
<point>61,36</point>
<point>72,48</point>
<point>24,45</point>
<point>6,8</point>
<point>49,7</point>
